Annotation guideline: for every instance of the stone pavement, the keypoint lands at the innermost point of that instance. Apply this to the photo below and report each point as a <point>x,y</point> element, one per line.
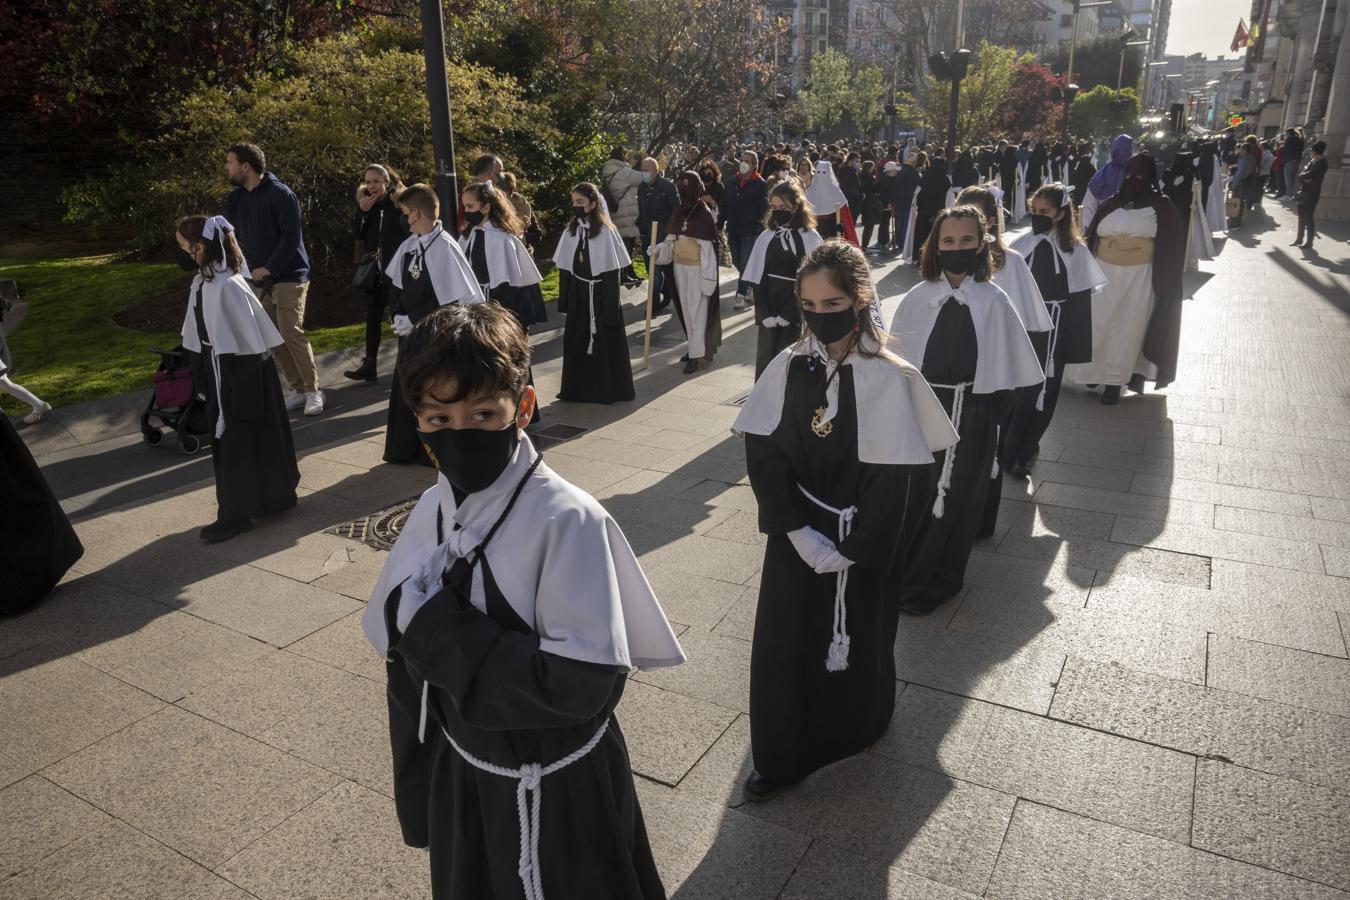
<point>1143,692</point>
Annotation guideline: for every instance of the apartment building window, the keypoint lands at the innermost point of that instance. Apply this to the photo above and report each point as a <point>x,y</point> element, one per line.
<point>1066,20</point>
<point>809,28</point>
<point>821,46</point>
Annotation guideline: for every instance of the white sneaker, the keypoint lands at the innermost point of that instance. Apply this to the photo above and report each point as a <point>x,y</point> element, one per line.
<point>38,414</point>
<point>741,302</point>
<point>313,403</point>
<point>294,399</point>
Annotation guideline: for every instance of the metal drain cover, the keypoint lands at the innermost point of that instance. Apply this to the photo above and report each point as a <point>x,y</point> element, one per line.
<point>739,399</point>
<point>552,435</point>
<point>378,529</point>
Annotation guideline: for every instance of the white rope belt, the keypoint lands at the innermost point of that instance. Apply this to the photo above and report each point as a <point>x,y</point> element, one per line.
<point>220,400</point>
<point>1050,349</point>
<point>590,296</point>
<point>529,779</point>
<point>836,658</point>
<point>949,461</point>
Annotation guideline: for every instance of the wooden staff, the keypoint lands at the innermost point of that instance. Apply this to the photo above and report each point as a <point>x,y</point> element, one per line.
<point>651,290</point>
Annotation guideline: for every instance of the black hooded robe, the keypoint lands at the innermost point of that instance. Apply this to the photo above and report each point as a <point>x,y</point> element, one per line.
<point>595,369</point>
<point>37,544</point>
<point>936,567</point>
<point>254,460</point>
<point>803,717</point>
<point>416,300</point>
<point>507,702</point>
<point>776,295</point>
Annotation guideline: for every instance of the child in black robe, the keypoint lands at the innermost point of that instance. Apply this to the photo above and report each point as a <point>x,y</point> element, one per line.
<point>426,272</point>
<point>591,259</point>
<point>510,613</point>
<point>501,262</point>
<point>230,338</point>
<point>789,235</point>
<point>975,353</point>
<point>1067,274</point>
<point>839,442</point>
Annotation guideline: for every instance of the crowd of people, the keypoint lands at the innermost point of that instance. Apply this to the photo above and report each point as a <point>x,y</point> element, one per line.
<point>512,608</point>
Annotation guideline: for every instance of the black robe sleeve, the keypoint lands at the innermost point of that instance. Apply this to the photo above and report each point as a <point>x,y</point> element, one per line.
<point>774,486</point>
<point>497,678</point>
<point>241,386</point>
<point>564,292</point>
<point>885,501</point>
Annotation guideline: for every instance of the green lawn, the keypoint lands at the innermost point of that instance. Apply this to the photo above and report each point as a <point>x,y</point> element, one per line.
<point>69,349</point>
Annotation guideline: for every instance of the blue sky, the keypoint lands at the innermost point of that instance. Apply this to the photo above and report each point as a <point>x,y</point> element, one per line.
<point>1205,26</point>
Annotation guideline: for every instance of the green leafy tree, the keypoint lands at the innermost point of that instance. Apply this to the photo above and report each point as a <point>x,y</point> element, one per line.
<point>338,108</point>
<point>828,94</point>
<point>867,90</point>
<point>1102,111</point>
<point>984,91</point>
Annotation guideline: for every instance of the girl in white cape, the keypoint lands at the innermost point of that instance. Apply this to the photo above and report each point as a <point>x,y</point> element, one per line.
<point>230,339</point>
<point>840,436</point>
<point>962,329</point>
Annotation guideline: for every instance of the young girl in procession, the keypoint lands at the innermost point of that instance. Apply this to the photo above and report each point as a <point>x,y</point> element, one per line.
<point>1013,275</point>
<point>510,613</point>
<point>840,436</point>
<point>427,272</point>
<point>1067,274</point>
<point>591,260</point>
<point>975,353</point>
<point>501,262</point>
<point>771,271</point>
<point>693,245</point>
<point>230,337</point>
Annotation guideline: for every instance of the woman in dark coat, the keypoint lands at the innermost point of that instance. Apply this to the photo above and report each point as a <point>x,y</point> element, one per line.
<point>37,544</point>
<point>379,230</point>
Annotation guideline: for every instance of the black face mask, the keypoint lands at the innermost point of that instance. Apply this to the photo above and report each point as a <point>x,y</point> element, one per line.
<point>471,458</point>
<point>1040,223</point>
<point>580,213</point>
<point>474,218</point>
<point>832,326</point>
<point>959,262</point>
<point>185,260</point>
<point>780,218</point>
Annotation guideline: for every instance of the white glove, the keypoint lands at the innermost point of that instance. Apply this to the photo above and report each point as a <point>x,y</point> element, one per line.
<point>834,561</point>
<point>403,326</point>
<point>812,546</point>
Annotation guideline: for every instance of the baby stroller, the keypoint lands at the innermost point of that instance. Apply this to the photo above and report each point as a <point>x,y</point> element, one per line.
<point>176,403</point>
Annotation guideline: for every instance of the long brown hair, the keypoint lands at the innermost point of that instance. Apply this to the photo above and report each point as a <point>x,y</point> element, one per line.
<point>500,211</point>
<point>597,218</point>
<point>190,227</point>
<point>793,194</point>
<point>845,267</point>
<point>983,200</point>
<point>931,268</point>
<point>1067,226</point>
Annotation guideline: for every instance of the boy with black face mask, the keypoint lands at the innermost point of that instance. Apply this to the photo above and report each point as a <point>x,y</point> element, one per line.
<point>426,272</point>
<point>510,613</point>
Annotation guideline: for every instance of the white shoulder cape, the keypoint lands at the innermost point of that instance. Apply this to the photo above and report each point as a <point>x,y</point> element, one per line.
<point>607,250</point>
<point>754,266</point>
<point>1084,273</point>
<point>559,558</point>
<point>235,320</point>
<point>451,275</point>
<point>508,259</point>
<point>1016,281</point>
<point>1006,358</point>
<point>900,421</point>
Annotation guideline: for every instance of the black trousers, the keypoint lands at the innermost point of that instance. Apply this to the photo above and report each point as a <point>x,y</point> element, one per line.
<point>374,320</point>
<point>883,232</point>
<point>1305,220</point>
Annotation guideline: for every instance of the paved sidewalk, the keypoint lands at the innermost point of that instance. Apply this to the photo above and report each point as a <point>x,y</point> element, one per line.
<point>1143,692</point>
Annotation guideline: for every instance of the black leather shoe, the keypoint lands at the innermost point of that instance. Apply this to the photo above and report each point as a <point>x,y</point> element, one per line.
<point>224,529</point>
<point>1111,396</point>
<point>1019,470</point>
<point>1296,244</point>
<point>691,367</point>
<point>363,372</point>
<point>923,605</point>
<point>758,789</point>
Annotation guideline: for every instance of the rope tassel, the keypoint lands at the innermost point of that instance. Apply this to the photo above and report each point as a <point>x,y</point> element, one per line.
<point>949,460</point>
<point>836,658</point>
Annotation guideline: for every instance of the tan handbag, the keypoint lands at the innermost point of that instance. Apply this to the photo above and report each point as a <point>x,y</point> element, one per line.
<point>688,252</point>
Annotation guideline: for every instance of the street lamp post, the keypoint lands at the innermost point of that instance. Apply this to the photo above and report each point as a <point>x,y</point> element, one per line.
<point>438,97</point>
